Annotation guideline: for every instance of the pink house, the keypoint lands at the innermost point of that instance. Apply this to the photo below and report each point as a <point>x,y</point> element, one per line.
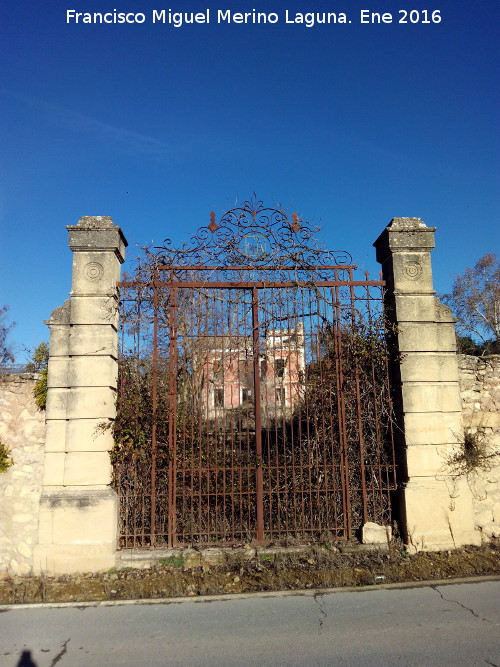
<point>228,373</point>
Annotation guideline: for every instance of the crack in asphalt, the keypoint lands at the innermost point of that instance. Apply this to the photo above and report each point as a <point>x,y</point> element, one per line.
<point>316,597</point>
<point>435,588</point>
<point>61,653</point>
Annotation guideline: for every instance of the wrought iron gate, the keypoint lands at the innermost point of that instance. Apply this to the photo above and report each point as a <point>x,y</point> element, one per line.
<point>254,399</point>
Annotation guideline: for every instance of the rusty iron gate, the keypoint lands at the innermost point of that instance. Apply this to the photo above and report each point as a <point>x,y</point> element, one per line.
<point>253,390</point>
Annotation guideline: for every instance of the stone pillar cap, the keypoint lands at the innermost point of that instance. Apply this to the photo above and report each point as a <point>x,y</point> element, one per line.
<point>408,223</point>
<point>404,235</point>
<point>95,221</point>
<point>97,232</point>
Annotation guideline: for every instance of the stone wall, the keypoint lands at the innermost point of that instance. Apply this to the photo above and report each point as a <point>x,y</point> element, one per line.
<point>22,429</point>
<point>480,391</point>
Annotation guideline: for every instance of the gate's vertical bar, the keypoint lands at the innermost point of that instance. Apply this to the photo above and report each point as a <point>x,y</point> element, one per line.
<point>358,400</point>
<point>154,408</point>
<point>172,418</point>
<point>339,374</point>
<point>319,301</point>
<point>258,416</point>
<point>123,495</point>
<point>378,433</point>
<point>139,534</point>
<point>279,459</point>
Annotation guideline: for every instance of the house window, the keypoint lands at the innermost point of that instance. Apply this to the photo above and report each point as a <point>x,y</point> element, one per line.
<point>219,397</point>
<point>279,367</point>
<point>246,394</point>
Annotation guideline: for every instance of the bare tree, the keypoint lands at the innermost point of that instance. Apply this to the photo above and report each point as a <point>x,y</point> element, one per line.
<point>475,301</point>
<point>6,354</point>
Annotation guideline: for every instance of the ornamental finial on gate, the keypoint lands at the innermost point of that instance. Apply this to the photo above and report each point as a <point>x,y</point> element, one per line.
<point>295,220</point>
<point>213,226</point>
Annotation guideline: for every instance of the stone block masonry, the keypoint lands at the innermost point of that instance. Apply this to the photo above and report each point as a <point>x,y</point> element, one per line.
<point>435,508</point>
<point>78,509</point>
<point>22,429</point>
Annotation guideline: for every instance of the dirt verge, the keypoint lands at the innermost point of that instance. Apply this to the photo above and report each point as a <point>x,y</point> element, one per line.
<point>315,567</point>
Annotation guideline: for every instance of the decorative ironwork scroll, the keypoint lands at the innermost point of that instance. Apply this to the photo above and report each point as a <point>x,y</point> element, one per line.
<point>256,234</point>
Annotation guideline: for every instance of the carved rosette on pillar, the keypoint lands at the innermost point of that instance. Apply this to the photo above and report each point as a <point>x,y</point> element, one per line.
<point>436,509</point>
<point>78,512</point>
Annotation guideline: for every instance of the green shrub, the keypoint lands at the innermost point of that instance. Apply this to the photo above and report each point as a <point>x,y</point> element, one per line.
<point>39,364</point>
<point>172,561</point>
<point>6,460</point>
<point>40,391</point>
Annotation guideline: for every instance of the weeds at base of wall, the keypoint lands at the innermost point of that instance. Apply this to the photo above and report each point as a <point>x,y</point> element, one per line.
<point>172,561</point>
<point>317,567</point>
<point>6,460</point>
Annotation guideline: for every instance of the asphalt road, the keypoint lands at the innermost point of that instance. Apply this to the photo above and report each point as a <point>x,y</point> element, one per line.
<point>436,624</point>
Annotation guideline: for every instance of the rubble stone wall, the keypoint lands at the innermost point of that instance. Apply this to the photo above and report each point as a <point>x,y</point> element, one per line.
<point>22,429</point>
<point>480,391</point>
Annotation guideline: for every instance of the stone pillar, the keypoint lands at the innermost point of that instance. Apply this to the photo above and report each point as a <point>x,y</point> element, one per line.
<point>436,510</point>
<point>78,513</point>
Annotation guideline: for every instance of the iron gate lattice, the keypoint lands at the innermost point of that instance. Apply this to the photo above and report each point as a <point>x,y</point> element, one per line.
<point>253,397</point>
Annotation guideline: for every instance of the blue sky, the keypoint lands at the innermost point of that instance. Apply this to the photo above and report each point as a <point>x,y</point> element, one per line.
<point>349,125</point>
